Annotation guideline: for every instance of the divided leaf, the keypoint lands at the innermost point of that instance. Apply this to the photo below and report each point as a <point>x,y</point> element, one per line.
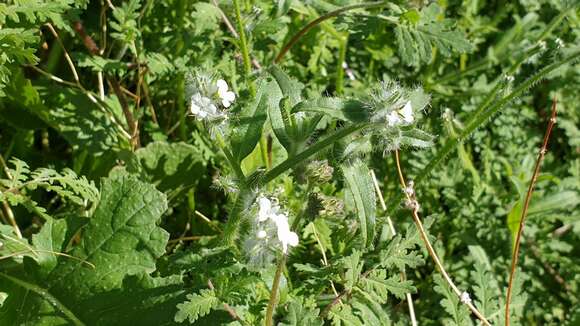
<point>416,43</point>
<point>197,305</point>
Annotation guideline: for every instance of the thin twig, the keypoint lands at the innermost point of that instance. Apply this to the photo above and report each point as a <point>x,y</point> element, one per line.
<point>409,193</point>
<point>394,232</point>
<point>66,55</point>
<point>516,251</point>
<point>319,20</point>
<point>7,211</point>
<point>274,293</point>
<point>131,122</point>
<point>208,221</point>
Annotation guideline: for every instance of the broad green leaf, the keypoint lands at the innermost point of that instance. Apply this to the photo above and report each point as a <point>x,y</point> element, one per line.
<point>360,184</point>
<point>171,167</point>
<point>121,239</point>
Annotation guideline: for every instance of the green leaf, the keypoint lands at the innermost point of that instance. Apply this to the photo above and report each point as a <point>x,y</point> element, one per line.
<point>121,239</point>
<point>416,43</point>
<point>290,88</point>
<point>485,289</point>
<point>301,313</point>
<point>378,284</point>
<point>197,305</point>
<point>249,130</point>
<point>121,233</point>
<point>459,312</point>
<point>360,184</point>
<point>342,109</point>
<point>165,165</point>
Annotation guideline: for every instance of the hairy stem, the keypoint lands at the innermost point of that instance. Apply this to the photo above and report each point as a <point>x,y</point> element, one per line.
<point>302,156</point>
<point>274,294</point>
<point>244,48</point>
<point>516,251</point>
<point>415,213</point>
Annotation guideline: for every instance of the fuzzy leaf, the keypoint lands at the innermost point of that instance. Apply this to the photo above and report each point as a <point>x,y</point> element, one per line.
<point>360,183</point>
<point>247,134</point>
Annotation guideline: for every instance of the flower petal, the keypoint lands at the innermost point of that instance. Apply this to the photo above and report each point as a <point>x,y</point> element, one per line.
<point>407,112</point>
<point>222,86</point>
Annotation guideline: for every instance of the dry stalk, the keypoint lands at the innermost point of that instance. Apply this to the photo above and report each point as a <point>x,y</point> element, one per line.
<point>412,201</point>
<point>516,251</point>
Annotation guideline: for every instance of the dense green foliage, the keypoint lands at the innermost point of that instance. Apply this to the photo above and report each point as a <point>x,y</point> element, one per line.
<point>159,169</point>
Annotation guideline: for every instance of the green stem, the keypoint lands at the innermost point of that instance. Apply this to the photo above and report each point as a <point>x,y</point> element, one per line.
<point>483,63</point>
<point>181,109</point>
<point>244,48</point>
<point>243,198</point>
<point>246,195</point>
<point>274,294</point>
<point>339,69</point>
<point>47,296</point>
<point>319,20</point>
<point>231,160</point>
<point>302,156</point>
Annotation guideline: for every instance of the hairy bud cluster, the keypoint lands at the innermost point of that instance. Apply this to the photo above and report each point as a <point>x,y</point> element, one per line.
<point>319,171</point>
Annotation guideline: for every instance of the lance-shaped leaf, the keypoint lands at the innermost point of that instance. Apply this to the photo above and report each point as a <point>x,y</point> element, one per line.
<point>249,129</point>
<point>360,184</point>
<point>342,109</point>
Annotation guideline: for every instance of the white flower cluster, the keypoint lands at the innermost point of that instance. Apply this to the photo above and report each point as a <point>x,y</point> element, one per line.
<point>270,213</point>
<point>392,104</point>
<point>203,101</point>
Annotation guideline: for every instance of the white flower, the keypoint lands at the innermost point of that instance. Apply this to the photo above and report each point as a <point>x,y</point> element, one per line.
<point>266,209</point>
<point>404,114</point>
<point>559,43</point>
<point>226,96</point>
<point>202,107</point>
<point>269,213</point>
